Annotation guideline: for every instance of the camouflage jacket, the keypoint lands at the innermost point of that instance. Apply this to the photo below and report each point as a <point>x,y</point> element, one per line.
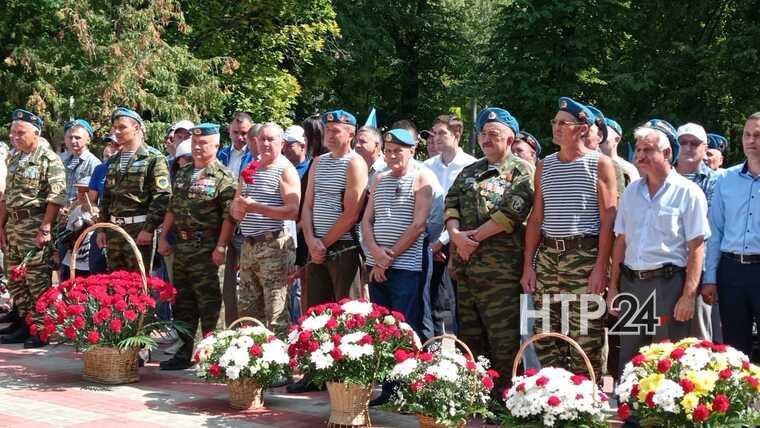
<point>143,189</point>
<point>35,181</point>
<point>504,195</point>
<point>202,204</point>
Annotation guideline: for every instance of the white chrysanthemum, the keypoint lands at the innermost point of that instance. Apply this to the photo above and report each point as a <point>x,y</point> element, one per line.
<point>355,352</point>
<point>352,337</point>
<point>321,360</point>
<point>695,358</point>
<point>355,307</point>
<point>275,352</point>
<point>326,347</point>
<point>389,320</point>
<point>666,395</point>
<point>404,368</point>
<point>232,372</point>
<point>243,342</point>
<point>225,333</point>
<point>235,357</point>
<point>445,370</point>
<point>207,342</point>
<point>315,323</point>
<point>255,330</point>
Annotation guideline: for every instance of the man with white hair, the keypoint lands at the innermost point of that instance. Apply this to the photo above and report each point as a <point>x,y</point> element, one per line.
<point>660,229</point>
<point>262,205</point>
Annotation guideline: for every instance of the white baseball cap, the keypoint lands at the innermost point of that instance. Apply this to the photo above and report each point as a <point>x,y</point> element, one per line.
<point>295,133</point>
<point>694,130</point>
<point>184,149</point>
<point>183,124</point>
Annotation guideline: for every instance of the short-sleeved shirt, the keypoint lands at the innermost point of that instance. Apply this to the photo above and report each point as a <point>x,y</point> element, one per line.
<point>658,229</point>
<point>98,179</point>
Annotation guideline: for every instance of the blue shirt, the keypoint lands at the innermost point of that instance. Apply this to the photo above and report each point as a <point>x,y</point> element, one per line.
<point>734,218</point>
<point>98,179</point>
<point>706,179</point>
<point>303,167</point>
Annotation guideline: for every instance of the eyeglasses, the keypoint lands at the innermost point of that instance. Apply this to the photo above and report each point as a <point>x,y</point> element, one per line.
<point>563,123</point>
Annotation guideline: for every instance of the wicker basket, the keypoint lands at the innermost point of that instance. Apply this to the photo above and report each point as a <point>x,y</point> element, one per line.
<point>429,422</point>
<point>103,364</point>
<point>246,394</point>
<point>349,404</point>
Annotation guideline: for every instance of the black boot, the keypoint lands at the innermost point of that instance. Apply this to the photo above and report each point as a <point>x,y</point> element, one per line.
<point>388,391</point>
<point>34,342</point>
<point>12,327</point>
<point>18,336</point>
<point>11,316</point>
<point>176,363</point>
<point>303,385</point>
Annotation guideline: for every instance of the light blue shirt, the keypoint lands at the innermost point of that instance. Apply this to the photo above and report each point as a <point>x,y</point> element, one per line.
<point>734,218</point>
<point>658,229</point>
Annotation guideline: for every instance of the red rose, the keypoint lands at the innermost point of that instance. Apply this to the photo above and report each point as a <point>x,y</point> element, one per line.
<point>624,411</point>
<point>649,400</point>
<point>701,413</point>
<point>493,373</point>
<point>725,373</point>
<point>677,353</point>
<point>664,365</point>
<point>93,337</point>
<point>488,382</point>
<point>530,372</point>
<point>687,385</point>
<point>215,370</point>
<point>638,360</point>
<point>116,325</point>
<point>554,401</point>
<point>542,381</point>
<point>720,403</point>
<point>578,379</point>
<point>425,357</point>
<point>256,351</point>
<point>429,378</point>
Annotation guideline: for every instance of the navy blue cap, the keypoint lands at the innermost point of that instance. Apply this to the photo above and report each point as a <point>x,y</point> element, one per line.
<point>578,110</point>
<point>599,121</point>
<point>670,132</point>
<point>400,136</point>
<point>125,112</point>
<point>612,123</point>
<point>495,114</point>
<point>205,129</point>
<point>78,122</point>
<point>339,116</point>
<point>716,141</point>
<point>531,141</point>
<point>27,116</point>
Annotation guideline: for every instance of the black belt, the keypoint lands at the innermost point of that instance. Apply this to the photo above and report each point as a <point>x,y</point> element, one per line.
<point>266,236</point>
<point>745,259</point>
<point>190,235</point>
<point>15,215</point>
<point>579,242</point>
<point>666,271</point>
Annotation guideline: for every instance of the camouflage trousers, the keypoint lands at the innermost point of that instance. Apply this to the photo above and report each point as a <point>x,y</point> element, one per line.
<point>263,287</point>
<point>488,302</point>
<point>567,273</point>
<point>21,235</point>
<point>120,254</point>
<point>199,297</point>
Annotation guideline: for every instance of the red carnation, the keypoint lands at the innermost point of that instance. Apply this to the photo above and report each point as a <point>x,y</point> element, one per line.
<point>336,338</point>
<point>635,390</point>
<point>336,354</point>
<point>542,381</point>
<point>416,386</point>
<point>471,365</point>
<point>677,353</point>
<point>751,380</point>
<point>745,365</point>
<point>398,315</point>
<point>426,357</point>
<point>701,413</point>
<point>131,315</point>
<point>93,337</point>
<point>638,360</point>
<point>18,273</point>
<point>116,325</point>
<point>70,332</point>
<point>78,323</point>
<point>650,400</point>
<point>578,379</point>
<point>215,370</point>
<point>429,378</point>
<point>313,346</point>
<point>720,403</point>
<point>366,340</point>
<point>331,324</point>
<point>554,401</point>
<point>719,347</point>
<point>488,382</point>
<point>530,372</point>
<point>624,411</point>
<point>249,171</point>
<point>197,357</point>
<point>664,365</point>
<point>304,336</point>
<point>256,351</point>
<point>521,387</point>
<point>401,355</point>
<point>725,373</point>
<point>687,385</point>
<point>493,373</point>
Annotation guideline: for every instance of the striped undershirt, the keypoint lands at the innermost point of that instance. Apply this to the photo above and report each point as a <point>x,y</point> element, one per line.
<point>124,160</point>
<point>329,187</point>
<point>394,212</point>
<point>571,204</point>
<point>264,190</point>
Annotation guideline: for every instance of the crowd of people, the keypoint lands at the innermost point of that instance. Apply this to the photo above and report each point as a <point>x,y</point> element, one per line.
<point>326,210</point>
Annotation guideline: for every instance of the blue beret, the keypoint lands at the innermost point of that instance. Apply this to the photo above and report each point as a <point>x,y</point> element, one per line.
<point>715,141</point>
<point>78,122</point>
<point>205,129</point>
<point>400,136</point>
<point>125,112</point>
<point>495,114</point>
<point>599,121</point>
<point>578,110</point>
<point>671,132</point>
<point>27,116</point>
<point>531,141</point>
<point>611,123</point>
<point>339,116</point>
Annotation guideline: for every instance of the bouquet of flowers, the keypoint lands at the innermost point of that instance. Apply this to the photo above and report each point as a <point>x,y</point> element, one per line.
<point>244,353</point>
<point>444,385</point>
<point>554,397</point>
<point>102,310</point>
<point>689,383</point>
<point>351,342</point>
<point>18,272</point>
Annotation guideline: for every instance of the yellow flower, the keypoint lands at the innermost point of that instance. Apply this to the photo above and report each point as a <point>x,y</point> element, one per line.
<point>704,381</point>
<point>689,402</point>
<point>685,343</point>
<point>656,351</point>
<point>648,384</point>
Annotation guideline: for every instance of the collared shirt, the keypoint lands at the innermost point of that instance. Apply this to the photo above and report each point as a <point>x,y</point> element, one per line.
<point>706,179</point>
<point>448,173</point>
<point>78,167</point>
<point>734,218</point>
<point>236,157</point>
<point>303,167</point>
<point>657,229</point>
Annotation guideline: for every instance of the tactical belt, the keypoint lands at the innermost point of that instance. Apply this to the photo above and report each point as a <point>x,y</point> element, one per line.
<point>121,221</point>
<point>666,271</point>
<point>266,236</point>
<point>745,259</point>
<point>190,235</point>
<point>578,242</point>
<point>19,214</point>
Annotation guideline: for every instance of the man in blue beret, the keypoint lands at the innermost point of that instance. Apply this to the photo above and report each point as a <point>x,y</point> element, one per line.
<point>716,146</point>
<point>572,218</point>
<point>35,191</point>
<point>485,211</point>
<point>671,133</point>
<point>82,162</point>
<point>526,147</point>
<point>136,192</point>
<point>610,148</point>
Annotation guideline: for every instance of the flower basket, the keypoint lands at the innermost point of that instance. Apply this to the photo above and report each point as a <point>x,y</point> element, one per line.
<point>690,383</point>
<point>350,345</point>
<point>248,359</point>
<point>104,315</point>
<point>445,387</point>
<point>554,396</point>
